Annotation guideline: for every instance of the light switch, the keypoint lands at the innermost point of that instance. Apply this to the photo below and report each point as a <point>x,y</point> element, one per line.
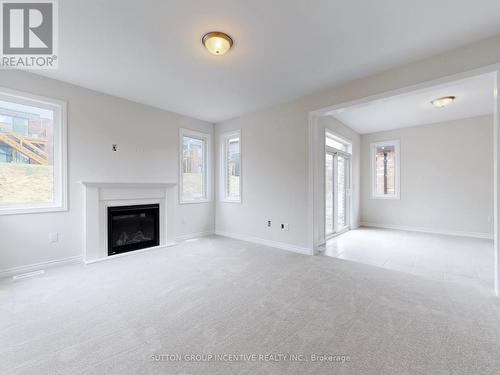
<point>53,237</point>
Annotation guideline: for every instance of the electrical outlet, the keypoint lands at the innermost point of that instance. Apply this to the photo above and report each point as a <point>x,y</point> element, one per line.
<point>269,223</point>
<point>284,226</point>
<point>53,237</point>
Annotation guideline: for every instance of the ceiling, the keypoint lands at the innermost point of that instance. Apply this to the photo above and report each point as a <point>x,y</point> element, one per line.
<point>150,51</point>
<point>474,97</point>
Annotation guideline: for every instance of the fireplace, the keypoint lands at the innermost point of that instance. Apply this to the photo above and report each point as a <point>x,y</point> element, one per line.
<point>133,228</point>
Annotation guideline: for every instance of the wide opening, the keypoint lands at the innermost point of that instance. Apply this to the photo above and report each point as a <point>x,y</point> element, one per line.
<point>416,182</point>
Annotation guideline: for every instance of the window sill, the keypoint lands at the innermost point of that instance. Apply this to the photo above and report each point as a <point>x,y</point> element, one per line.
<point>31,210</point>
<point>384,197</point>
<point>230,201</point>
<point>196,202</point>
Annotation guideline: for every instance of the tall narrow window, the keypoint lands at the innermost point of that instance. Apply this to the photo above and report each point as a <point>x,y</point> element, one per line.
<point>194,167</point>
<point>385,169</point>
<point>231,167</point>
<point>32,153</point>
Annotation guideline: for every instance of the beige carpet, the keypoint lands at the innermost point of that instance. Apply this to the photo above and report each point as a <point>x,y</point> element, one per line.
<point>227,297</point>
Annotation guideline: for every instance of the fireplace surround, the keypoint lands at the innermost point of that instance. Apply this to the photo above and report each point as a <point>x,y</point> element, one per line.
<point>99,197</point>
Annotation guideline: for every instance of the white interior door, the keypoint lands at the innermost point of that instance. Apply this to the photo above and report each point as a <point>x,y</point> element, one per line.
<point>337,192</point>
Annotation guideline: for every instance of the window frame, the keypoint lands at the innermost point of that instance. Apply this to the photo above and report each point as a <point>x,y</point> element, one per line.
<point>397,182</point>
<point>207,165</point>
<point>224,137</point>
<point>60,142</point>
<point>344,141</point>
<point>347,154</point>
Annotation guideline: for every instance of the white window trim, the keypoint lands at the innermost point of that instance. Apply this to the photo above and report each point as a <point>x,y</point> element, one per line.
<point>208,165</point>
<point>60,153</point>
<point>373,146</point>
<point>349,154</point>
<point>338,138</point>
<point>223,175</point>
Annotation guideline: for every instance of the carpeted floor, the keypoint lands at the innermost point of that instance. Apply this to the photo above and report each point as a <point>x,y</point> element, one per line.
<point>222,296</point>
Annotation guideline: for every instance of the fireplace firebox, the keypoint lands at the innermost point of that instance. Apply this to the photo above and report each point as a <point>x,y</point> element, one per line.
<point>133,228</point>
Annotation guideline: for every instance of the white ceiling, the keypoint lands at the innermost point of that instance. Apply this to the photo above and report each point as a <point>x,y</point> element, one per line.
<point>150,51</point>
<point>474,97</point>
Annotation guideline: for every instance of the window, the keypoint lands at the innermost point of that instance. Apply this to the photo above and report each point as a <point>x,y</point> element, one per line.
<point>334,141</point>
<point>385,169</point>
<point>194,159</point>
<point>231,167</point>
<point>32,153</point>
<point>337,183</point>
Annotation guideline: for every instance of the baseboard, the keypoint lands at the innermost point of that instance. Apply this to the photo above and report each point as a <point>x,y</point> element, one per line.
<point>190,236</point>
<point>129,253</point>
<point>262,241</point>
<point>39,266</point>
<point>429,230</point>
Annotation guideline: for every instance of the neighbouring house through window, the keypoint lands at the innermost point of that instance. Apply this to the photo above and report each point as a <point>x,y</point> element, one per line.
<point>231,166</point>
<point>32,158</point>
<point>194,166</point>
<point>385,169</point>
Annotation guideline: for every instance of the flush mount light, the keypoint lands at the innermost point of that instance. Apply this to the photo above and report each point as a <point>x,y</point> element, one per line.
<point>443,102</point>
<point>217,43</point>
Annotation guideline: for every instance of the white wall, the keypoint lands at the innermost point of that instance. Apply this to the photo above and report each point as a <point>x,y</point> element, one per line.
<point>148,147</point>
<point>340,129</point>
<point>275,178</point>
<point>446,177</point>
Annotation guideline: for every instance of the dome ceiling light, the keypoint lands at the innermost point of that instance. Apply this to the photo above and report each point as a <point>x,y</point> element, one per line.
<point>443,102</point>
<point>217,43</point>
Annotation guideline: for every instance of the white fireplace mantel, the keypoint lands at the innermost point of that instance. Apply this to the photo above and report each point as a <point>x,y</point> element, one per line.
<point>98,196</point>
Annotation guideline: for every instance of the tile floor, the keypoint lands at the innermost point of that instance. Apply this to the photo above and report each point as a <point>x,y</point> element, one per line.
<point>463,260</point>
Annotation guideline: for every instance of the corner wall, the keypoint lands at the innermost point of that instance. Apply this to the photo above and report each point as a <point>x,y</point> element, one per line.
<point>273,157</point>
<point>276,183</point>
<point>148,151</point>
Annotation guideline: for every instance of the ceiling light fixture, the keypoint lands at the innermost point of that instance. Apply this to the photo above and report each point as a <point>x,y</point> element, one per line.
<point>443,102</point>
<point>217,43</point>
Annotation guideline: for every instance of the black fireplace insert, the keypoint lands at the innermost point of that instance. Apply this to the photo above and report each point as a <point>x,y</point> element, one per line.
<point>133,228</point>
